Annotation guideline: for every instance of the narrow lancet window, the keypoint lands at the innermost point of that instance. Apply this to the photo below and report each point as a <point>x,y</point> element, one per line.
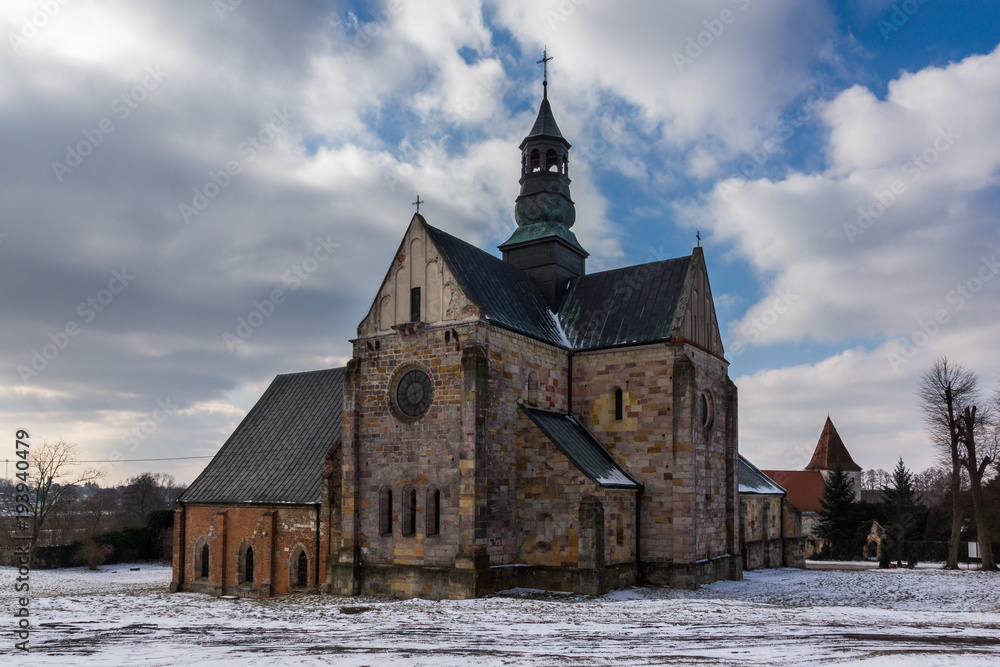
<point>385,511</point>
<point>433,511</point>
<point>248,566</point>
<point>302,570</point>
<point>415,304</point>
<point>204,560</point>
<point>409,511</point>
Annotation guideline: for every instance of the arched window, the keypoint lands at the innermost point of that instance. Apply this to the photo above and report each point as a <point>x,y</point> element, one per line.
<point>532,387</point>
<point>204,560</point>
<point>433,511</point>
<point>409,511</point>
<point>551,160</point>
<point>619,530</point>
<point>248,566</point>
<point>201,557</point>
<point>533,161</point>
<point>302,570</point>
<point>619,405</point>
<point>385,511</point>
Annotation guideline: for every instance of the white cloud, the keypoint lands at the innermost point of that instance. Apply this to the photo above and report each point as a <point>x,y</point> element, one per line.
<point>902,218</point>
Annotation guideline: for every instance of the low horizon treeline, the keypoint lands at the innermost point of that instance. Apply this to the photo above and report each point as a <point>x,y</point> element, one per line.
<point>88,509</point>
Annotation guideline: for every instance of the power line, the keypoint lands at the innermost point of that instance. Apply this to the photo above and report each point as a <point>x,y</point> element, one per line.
<point>177,458</point>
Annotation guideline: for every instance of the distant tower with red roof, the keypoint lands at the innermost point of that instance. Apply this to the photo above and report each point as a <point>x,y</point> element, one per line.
<point>831,454</point>
<point>805,487</point>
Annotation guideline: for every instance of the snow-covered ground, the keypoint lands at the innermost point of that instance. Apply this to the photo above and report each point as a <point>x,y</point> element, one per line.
<point>773,617</point>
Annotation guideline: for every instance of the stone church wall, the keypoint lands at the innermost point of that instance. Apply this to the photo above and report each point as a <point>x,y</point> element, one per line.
<point>761,531</point>
<point>550,490</point>
<point>463,446</point>
<point>687,464</point>
<point>277,534</point>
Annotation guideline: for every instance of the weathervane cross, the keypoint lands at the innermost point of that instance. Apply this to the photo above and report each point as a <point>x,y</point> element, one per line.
<point>544,62</point>
<point>418,202</point>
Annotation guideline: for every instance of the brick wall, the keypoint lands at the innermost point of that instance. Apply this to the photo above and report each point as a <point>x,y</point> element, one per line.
<point>275,533</point>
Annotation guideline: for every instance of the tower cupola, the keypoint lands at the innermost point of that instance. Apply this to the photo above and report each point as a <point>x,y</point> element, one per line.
<point>543,245</point>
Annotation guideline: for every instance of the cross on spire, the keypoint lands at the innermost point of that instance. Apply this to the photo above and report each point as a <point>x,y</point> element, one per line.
<point>697,235</point>
<point>544,62</point>
<point>418,202</point>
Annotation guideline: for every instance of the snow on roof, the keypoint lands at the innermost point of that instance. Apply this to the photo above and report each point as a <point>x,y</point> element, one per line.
<point>752,480</point>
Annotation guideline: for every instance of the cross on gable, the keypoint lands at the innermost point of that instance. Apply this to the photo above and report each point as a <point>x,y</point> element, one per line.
<point>418,202</point>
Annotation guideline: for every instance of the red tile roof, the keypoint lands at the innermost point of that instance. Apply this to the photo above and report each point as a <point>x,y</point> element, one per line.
<point>831,453</point>
<point>805,487</point>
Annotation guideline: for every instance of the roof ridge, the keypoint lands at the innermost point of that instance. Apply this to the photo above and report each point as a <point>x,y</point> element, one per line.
<point>633,266</point>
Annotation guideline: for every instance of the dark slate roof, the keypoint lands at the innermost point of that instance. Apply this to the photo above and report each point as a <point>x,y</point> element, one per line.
<point>752,480</point>
<point>507,295</point>
<point>643,302</point>
<point>276,453</point>
<point>545,124</point>
<point>581,448</point>
<point>831,453</point>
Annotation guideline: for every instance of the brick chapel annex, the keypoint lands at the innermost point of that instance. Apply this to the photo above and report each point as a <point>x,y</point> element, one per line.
<point>503,422</point>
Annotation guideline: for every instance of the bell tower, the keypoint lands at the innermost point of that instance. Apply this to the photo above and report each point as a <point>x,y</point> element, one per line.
<point>543,245</point>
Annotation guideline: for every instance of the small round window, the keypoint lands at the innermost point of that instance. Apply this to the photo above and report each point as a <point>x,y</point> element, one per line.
<point>706,410</point>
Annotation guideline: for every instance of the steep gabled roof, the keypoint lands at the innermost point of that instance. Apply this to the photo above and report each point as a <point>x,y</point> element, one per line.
<point>581,448</point>
<point>831,453</point>
<point>507,295</point>
<point>631,305</point>
<point>752,480</point>
<point>276,453</point>
<point>804,487</point>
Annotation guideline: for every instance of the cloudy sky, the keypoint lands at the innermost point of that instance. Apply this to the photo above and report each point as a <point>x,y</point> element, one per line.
<point>170,167</point>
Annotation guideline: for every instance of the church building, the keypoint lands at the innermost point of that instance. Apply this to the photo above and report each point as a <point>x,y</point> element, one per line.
<point>511,422</point>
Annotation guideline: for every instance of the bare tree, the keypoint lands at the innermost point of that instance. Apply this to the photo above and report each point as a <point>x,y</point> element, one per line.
<point>972,424</point>
<point>944,391</point>
<point>53,475</point>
